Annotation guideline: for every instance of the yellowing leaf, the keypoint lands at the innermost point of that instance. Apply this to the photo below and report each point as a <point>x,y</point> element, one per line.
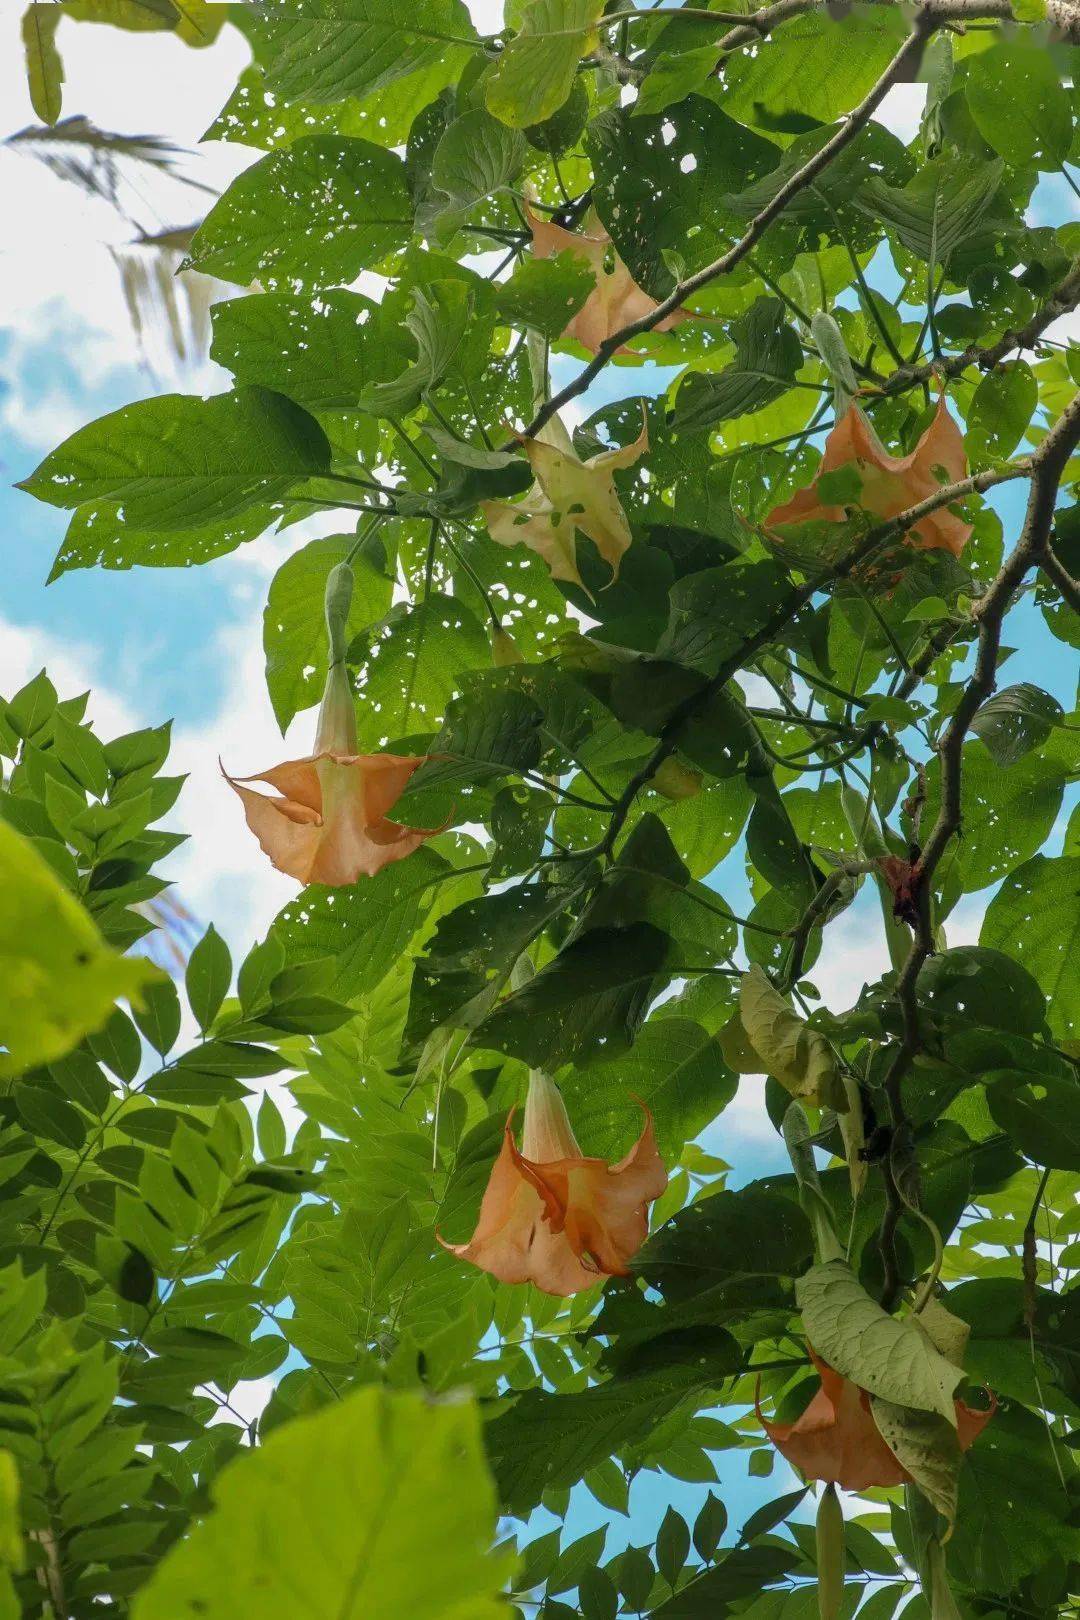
<point>883,1355</point>
<point>569,497</point>
<point>378,1506</point>
<point>44,70</point>
<point>58,977</point>
<point>790,1050</point>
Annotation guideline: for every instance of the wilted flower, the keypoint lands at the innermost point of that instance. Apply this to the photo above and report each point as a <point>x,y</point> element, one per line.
<point>616,299</point>
<point>552,1217</point>
<point>890,484</point>
<point>836,1438</point>
<point>330,823</point>
<point>570,495</point>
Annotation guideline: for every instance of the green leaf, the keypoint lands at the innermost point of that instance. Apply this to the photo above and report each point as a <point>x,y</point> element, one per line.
<point>672,1545</point>
<point>674,1067</point>
<point>1001,410</point>
<point>368,1470</point>
<point>709,1527</point>
<point>590,999</point>
<point>158,1018</point>
<point>791,1051</point>
<point>492,730</point>
<point>1007,814</point>
<point>745,1572</point>
<point>177,462</point>
<point>673,76</point>
<point>1019,104</point>
<point>544,1441</point>
<point>59,979</point>
<point>364,929</point>
<point>816,67</point>
<point>50,1116</point>
<point>939,209</point>
<point>98,536</point>
<point>208,976</point>
<point>422,651</point>
<point>44,69</point>
<point>316,213</point>
<point>328,352</point>
<point>476,157</point>
<point>767,356</point>
<point>545,294</point>
<point>294,625</point>
<point>1016,720</point>
<point>535,71</point>
<point>1040,1113</point>
<point>332,50</point>
<point>1003,1533</point>
<point>1035,915</point>
<point>887,1357</point>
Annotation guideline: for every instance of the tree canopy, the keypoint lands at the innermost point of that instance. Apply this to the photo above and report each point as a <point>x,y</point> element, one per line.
<point>698,453</point>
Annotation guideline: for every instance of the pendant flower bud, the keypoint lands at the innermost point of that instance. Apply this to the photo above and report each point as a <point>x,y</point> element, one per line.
<point>616,299</point>
<point>553,1217</point>
<point>837,1440</point>
<point>890,484</point>
<point>330,824</point>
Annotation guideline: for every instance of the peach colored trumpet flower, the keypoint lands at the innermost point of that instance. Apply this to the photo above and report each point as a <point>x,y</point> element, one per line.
<point>552,1217</point>
<point>836,1438</point>
<point>890,484</point>
<point>616,299</point>
<point>568,497</point>
<point>330,823</point>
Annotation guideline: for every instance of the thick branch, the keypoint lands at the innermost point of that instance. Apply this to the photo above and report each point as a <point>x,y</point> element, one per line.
<point>1063,15</point>
<point>902,67</point>
<point>1047,466</point>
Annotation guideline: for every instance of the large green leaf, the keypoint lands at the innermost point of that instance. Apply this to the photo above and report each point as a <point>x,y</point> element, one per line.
<point>180,463</point>
<point>58,978</point>
<point>322,1520</point>
<point>936,211</point>
<point>890,1358</point>
<point>330,50</point>
<point>1036,916</point>
<point>590,999</point>
<point>316,213</point>
<point>767,356</point>
<point>816,67</point>
<point>294,627</point>
<point>793,1052</point>
<point>1019,103</point>
<point>325,352</point>
<point>674,1067</point>
<point>544,1441</point>
<point>1007,814</point>
<point>535,71</point>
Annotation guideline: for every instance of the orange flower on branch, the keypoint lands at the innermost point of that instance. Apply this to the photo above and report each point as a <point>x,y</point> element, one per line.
<point>553,1217</point>
<point>330,824</point>
<point>890,484</point>
<point>837,1440</point>
<point>616,299</point>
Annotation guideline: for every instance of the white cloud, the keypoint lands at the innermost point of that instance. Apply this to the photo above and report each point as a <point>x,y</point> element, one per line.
<point>73,667</point>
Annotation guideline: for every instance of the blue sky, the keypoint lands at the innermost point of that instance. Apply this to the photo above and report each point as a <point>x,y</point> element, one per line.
<point>187,644</point>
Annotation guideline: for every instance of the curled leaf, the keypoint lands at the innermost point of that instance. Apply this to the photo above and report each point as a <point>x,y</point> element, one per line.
<point>793,1052</point>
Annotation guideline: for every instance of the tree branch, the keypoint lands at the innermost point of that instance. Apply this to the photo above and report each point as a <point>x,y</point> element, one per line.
<point>870,542</point>
<point>1046,468</point>
<point>1064,15</point>
<point>1053,567</point>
